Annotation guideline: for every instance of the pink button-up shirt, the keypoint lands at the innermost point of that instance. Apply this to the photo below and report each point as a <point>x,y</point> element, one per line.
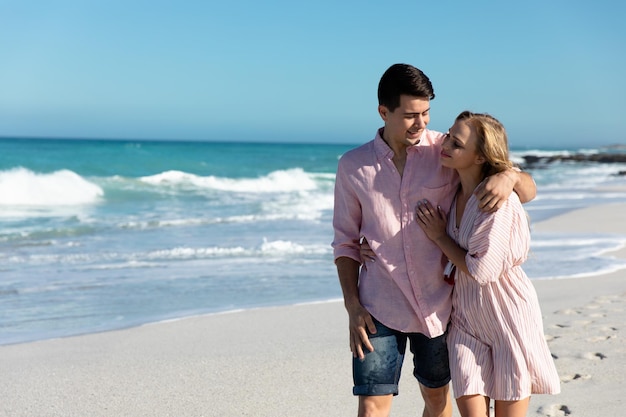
<point>404,288</point>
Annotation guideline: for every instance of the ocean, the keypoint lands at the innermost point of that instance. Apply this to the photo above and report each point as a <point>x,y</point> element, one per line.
<point>99,235</point>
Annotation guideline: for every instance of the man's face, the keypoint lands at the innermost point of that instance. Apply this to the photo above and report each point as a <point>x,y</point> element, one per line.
<point>405,125</point>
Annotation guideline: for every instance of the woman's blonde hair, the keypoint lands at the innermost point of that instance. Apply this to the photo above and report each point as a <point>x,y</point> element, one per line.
<point>492,141</point>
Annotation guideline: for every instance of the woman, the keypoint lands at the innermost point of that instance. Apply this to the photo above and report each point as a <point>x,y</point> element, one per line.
<point>496,343</point>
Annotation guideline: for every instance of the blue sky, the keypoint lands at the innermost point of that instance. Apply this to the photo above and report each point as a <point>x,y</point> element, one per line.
<point>554,72</point>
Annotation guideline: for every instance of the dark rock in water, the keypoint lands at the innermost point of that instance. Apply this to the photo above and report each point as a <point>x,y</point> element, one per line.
<point>533,160</point>
<point>620,174</point>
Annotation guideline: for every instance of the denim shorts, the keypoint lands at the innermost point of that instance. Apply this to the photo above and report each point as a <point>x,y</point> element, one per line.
<point>379,372</point>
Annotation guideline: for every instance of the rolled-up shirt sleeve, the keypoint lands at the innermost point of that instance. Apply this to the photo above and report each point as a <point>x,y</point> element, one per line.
<point>347,216</point>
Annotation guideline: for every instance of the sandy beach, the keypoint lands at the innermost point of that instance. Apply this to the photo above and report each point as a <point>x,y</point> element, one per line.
<point>295,361</point>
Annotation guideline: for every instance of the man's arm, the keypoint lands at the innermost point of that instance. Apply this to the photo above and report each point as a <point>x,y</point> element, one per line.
<point>497,188</point>
<point>525,186</point>
<point>359,318</point>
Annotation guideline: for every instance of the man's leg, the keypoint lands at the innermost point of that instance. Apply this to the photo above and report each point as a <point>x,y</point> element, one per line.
<point>375,406</point>
<point>437,401</point>
<point>432,370</point>
<point>376,376</point>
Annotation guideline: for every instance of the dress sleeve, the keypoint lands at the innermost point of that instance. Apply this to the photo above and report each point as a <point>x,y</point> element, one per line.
<point>489,247</point>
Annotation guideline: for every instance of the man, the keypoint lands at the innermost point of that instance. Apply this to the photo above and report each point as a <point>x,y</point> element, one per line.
<point>402,296</point>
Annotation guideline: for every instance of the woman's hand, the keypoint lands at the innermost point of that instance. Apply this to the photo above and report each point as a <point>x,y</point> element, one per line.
<point>432,220</point>
<point>366,253</point>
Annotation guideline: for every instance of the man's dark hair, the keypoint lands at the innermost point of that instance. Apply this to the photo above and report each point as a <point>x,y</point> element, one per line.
<point>403,79</point>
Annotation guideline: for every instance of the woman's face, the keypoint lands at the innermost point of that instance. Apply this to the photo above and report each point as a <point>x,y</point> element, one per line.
<point>459,148</point>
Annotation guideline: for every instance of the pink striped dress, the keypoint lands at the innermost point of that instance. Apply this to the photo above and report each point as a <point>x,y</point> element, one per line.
<point>496,341</point>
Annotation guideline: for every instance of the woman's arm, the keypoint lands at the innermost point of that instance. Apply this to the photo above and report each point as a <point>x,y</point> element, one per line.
<point>489,244</point>
<point>433,222</point>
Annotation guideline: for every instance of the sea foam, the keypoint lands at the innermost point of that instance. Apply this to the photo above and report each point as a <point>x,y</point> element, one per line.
<point>22,187</point>
<point>295,179</point>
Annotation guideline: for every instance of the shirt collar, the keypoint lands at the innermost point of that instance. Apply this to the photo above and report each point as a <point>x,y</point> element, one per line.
<point>383,150</point>
<point>380,146</point>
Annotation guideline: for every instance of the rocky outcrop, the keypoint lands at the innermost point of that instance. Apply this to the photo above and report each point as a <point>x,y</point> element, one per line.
<point>534,160</point>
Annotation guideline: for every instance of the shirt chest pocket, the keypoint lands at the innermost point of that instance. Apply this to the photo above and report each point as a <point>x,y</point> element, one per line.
<point>437,196</point>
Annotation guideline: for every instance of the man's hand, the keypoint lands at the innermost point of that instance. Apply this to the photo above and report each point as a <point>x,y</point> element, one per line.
<point>495,190</point>
<point>360,323</point>
<point>360,320</point>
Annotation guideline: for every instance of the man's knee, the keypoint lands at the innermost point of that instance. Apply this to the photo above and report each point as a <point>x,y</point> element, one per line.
<point>375,405</point>
<point>436,400</point>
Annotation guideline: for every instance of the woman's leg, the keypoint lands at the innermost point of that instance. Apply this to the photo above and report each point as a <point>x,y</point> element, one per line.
<point>473,406</point>
<point>512,408</point>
